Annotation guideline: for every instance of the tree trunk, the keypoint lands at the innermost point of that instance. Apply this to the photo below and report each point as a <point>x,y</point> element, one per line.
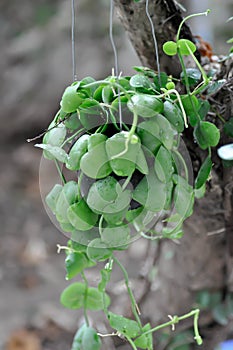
<point>166,18</point>
<point>202,259</point>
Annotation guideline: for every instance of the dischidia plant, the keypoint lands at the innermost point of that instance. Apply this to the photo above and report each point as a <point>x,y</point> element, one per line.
<point>119,141</point>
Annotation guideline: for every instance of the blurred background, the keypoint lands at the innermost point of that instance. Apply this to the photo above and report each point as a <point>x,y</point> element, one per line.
<point>35,67</point>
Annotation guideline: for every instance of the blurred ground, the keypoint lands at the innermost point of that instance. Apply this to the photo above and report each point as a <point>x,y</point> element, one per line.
<point>35,68</point>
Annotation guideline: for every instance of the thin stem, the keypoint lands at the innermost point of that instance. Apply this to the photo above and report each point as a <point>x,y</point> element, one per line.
<point>72,137</point>
<point>134,124</point>
<point>179,156</point>
<point>187,83</point>
<point>127,181</point>
<point>155,40</point>
<point>188,17</point>
<point>131,342</point>
<point>47,130</point>
<point>101,225</point>
<point>131,296</point>
<point>85,298</point>
<point>168,92</point>
<point>115,56</point>
<point>73,40</point>
<point>204,75</point>
<point>94,83</point>
<point>196,330</point>
<point>79,185</point>
<point>62,177</point>
<point>177,319</point>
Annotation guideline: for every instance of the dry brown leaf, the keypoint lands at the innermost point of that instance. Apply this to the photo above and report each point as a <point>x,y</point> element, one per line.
<point>23,340</point>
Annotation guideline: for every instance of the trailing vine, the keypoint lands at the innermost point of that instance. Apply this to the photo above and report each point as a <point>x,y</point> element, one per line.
<point>118,140</point>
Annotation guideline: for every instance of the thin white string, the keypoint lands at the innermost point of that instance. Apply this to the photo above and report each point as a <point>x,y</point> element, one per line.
<point>74,74</point>
<point>155,40</point>
<point>116,65</point>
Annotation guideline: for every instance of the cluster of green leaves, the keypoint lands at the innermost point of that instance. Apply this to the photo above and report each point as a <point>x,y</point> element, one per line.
<point>147,144</point>
<point>87,137</point>
<point>109,133</point>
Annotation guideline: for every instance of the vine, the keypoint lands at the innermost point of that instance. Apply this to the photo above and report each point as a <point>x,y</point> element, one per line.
<point>123,135</point>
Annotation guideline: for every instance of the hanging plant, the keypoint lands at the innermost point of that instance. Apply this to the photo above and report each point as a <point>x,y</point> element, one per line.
<point>134,165</point>
<point>118,141</point>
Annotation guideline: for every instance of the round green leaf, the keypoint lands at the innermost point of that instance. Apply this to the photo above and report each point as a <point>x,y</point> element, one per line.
<point>141,163</point>
<point>77,296</point>
<point>157,128</point>
<point>185,46</point>
<point>107,94</point>
<point>125,163</point>
<point>90,339</point>
<point>140,81</point>
<point>77,342</point>
<point>170,48</point>
<point>106,197</point>
<point>95,139</point>
<point>124,325</point>
<point>193,74</point>
<point>204,173</point>
<point>53,152</point>
<point>116,237</point>
<point>56,135</point>
<point>91,114</point>
<point>71,99</point>
<point>81,216</point>
<point>164,165</point>
<point>145,341</point>
<point>151,192</point>
<point>102,193</point>
<point>97,250</point>
<point>72,122</point>
<point>67,197</point>
<point>215,86</point>
<point>148,140</point>
<point>174,115</point>
<point>206,134</point>
<point>76,263</point>
<point>191,105</point>
<point>95,162</point>
<point>183,197</point>
<point>146,106</point>
<point>52,197</point>
<point>77,151</point>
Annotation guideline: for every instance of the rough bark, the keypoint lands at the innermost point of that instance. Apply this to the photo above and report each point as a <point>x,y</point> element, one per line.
<point>203,258</point>
<point>166,18</point>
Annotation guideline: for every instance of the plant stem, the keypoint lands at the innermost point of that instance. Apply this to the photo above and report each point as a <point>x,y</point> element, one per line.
<point>79,185</point>
<point>62,177</point>
<point>131,296</point>
<point>168,92</point>
<point>127,181</point>
<point>85,298</point>
<point>188,17</point>
<point>187,83</point>
<point>101,225</point>
<point>179,156</point>
<point>134,124</point>
<point>72,137</point>
<point>177,319</point>
<point>131,342</point>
